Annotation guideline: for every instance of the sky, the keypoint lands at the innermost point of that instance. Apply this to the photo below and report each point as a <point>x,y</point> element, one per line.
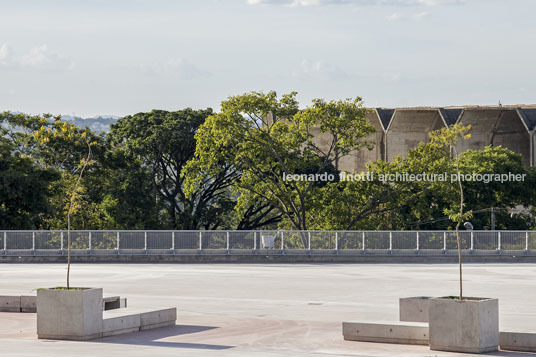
<point>101,57</point>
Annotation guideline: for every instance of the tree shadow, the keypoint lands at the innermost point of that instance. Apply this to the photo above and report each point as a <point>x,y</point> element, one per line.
<point>152,337</point>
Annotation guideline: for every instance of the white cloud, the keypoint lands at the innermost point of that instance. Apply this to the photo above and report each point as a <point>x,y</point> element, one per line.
<point>306,3</point>
<point>5,55</point>
<point>38,58</point>
<point>178,67</point>
<point>319,70</point>
<point>44,59</point>
<point>397,16</point>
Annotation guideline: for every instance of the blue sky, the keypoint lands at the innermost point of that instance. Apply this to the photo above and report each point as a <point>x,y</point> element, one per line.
<point>121,57</point>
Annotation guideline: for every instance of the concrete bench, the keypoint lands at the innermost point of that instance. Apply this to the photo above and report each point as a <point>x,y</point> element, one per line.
<point>113,302</point>
<point>25,303</point>
<point>414,309</point>
<point>517,340</point>
<point>119,321</point>
<point>408,333</point>
<point>18,303</point>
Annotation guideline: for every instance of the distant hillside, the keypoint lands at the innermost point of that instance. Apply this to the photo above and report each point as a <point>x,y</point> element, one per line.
<point>99,124</point>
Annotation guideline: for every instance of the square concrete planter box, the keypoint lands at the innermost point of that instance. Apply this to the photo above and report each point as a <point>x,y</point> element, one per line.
<point>470,325</point>
<point>414,309</point>
<point>69,314</point>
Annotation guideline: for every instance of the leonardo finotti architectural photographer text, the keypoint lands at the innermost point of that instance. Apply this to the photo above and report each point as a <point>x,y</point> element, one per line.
<point>407,177</point>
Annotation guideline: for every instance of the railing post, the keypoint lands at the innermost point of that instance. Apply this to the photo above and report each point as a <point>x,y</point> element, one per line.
<point>282,242</point>
<point>472,241</point>
<point>363,241</point>
<point>499,241</point>
<point>417,245</point>
<point>526,241</point>
<point>309,241</point>
<point>173,242</point>
<point>33,243</point>
<point>445,241</point>
<point>227,242</point>
<point>337,242</point>
<point>89,245</point>
<point>390,242</point>
<point>61,242</point>
<point>118,246</point>
<point>5,243</point>
<point>255,240</point>
<point>200,241</point>
<point>145,241</point>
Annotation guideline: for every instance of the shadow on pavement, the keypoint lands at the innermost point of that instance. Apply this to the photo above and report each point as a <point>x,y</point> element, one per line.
<point>152,337</point>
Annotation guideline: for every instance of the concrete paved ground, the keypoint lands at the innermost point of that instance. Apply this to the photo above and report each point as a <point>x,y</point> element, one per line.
<point>261,310</point>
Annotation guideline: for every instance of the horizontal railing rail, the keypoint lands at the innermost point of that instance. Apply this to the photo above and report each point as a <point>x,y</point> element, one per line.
<point>190,242</point>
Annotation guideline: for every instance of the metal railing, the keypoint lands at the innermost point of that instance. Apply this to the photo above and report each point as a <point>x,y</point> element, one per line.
<point>54,243</point>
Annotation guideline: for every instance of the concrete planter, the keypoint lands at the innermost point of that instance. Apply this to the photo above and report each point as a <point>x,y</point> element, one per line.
<point>69,314</point>
<point>414,309</point>
<point>470,325</point>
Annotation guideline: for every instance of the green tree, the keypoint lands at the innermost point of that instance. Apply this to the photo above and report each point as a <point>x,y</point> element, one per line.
<point>164,142</point>
<point>267,138</point>
<point>24,188</point>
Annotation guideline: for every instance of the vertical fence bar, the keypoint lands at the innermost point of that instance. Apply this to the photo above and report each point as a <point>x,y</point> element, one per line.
<point>526,241</point>
<point>499,241</point>
<point>173,241</point>
<point>33,243</point>
<point>417,245</point>
<point>227,242</point>
<point>390,242</point>
<point>309,241</point>
<point>5,243</point>
<point>254,240</point>
<point>117,243</point>
<point>89,243</point>
<point>200,241</point>
<point>444,241</point>
<point>282,242</point>
<point>61,242</point>
<point>337,242</point>
<point>145,242</point>
<point>363,241</point>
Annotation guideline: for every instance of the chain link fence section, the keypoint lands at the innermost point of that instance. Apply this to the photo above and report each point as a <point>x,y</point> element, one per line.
<point>53,243</point>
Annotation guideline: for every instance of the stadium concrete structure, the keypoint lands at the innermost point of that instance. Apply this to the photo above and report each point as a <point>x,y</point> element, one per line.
<point>399,130</point>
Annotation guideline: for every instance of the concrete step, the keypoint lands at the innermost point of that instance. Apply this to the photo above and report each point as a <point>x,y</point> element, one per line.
<point>409,333</point>
<point>130,319</point>
<point>517,340</point>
